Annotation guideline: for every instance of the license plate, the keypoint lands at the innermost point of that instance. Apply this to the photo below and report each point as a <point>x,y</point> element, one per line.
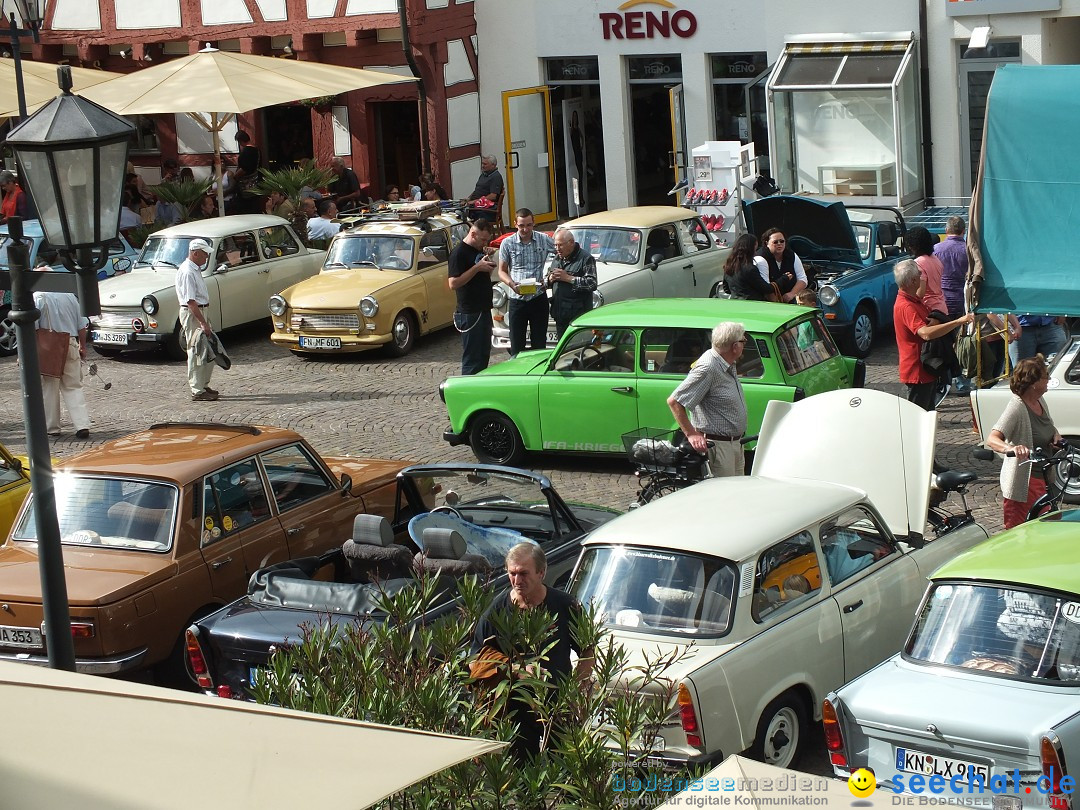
<point>20,637</point>
<point>320,343</point>
<point>552,339</point>
<point>913,761</point>
<point>111,337</point>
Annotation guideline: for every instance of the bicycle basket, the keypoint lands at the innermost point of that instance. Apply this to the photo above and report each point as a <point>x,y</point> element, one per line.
<point>651,449</point>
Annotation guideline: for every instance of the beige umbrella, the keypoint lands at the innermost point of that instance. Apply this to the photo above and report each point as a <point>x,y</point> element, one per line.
<point>221,84</point>
<point>39,82</point>
<point>73,740</point>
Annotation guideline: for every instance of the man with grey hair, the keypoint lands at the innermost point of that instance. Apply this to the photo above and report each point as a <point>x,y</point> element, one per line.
<point>914,326</point>
<point>572,280</point>
<point>345,186</point>
<point>489,185</point>
<point>194,300</point>
<point>709,405</point>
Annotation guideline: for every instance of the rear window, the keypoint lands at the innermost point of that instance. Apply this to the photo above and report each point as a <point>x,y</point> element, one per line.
<point>1000,631</point>
<point>805,345</point>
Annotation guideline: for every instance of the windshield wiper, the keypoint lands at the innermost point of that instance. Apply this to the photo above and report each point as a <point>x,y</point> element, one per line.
<point>364,263</point>
<point>161,261</point>
<point>335,264</point>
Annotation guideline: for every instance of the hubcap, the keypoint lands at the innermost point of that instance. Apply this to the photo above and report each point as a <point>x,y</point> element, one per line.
<point>782,738</point>
<point>7,335</point>
<point>864,334</point>
<point>495,440</point>
<point>401,331</point>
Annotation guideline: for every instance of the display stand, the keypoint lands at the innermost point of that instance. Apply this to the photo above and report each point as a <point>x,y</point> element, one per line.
<point>716,189</point>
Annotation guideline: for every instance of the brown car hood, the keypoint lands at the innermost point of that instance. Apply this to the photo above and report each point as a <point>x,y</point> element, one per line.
<point>367,473</point>
<point>94,576</point>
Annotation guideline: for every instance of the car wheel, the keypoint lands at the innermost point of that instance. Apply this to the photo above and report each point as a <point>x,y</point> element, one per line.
<point>780,733</point>
<point>8,341</point>
<point>174,346</point>
<point>717,290</point>
<point>862,332</point>
<point>402,334</point>
<point>495,439</point>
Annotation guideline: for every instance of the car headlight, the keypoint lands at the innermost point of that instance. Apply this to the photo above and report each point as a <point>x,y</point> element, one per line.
<point>597,299</point>
<point>498,298</point>
<point>150,305</point>
<point>277,305</point>
<point>828,295</point>
<point>369,307</point>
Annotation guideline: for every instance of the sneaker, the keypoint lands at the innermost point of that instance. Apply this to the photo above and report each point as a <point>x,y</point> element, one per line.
<point>213,391</point>
<point>83,433</point>
<point>205,396</point>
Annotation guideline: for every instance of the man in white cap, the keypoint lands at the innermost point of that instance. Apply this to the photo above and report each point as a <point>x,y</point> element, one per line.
<point>194,299</point>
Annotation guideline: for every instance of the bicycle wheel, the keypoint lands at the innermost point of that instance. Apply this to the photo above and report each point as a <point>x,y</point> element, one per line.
<point>659,488</point>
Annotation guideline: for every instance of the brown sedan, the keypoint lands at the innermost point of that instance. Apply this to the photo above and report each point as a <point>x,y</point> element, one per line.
<point>164,526</point>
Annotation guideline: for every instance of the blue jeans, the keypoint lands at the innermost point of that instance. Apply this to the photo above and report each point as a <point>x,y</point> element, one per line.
<point>475,329</point>
<point>1044,340</point>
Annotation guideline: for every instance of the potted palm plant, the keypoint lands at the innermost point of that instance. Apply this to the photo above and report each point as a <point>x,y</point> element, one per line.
<point>291,184</point>
<point>184,194</point>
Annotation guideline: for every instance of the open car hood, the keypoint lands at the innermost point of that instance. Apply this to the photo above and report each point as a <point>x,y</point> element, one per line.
<point>867,439</point>
<point>824,227</point>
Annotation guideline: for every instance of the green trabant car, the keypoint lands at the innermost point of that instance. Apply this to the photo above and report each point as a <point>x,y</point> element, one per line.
<point>615,367</point>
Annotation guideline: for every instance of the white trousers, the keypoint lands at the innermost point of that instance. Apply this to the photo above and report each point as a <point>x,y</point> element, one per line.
<point>198,374</point>
<point>68,386</point>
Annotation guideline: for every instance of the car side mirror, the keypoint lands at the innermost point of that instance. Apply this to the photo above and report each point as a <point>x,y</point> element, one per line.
<point>654,260</point>
<point>16,465</point>
<point>346,483</point>
<point>702,240</point>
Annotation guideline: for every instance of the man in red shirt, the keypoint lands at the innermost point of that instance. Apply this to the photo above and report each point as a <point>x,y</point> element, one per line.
<point>914,327</point>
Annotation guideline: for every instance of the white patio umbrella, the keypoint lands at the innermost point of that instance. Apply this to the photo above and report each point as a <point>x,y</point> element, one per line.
<point>73,740</point>
<point>220,84</point>
<point>39,83</point>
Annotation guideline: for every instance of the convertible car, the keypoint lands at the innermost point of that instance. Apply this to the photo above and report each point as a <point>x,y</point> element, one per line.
<point>451,519</point>
<point>849,253</point>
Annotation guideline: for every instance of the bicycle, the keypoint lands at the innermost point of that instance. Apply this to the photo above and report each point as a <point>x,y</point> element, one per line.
<point>665,462</point>
<point>943,482</point>
<point>1060,470</point>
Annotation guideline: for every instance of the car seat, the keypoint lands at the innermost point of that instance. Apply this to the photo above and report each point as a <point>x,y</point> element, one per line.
<point>372,554</point>
<point>444,554</point>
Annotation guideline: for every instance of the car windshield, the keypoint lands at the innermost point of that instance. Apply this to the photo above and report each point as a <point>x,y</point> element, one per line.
<point>1014,632</point>
<point>655,590</point>
<point>123,513</point>
<point>385,252</point>
<point>615,245</point>
<point>166,250</point>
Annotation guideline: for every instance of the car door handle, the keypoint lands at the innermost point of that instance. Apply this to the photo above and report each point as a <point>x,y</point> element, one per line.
<point>267,270</point>
<point>623,389</point>
<point>688,266</point>
<point>853,607</point>
<point>295,530</point>
<point>220,563</point>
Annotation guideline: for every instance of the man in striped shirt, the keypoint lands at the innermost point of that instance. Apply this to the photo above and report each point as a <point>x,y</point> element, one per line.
<point>523,256</point>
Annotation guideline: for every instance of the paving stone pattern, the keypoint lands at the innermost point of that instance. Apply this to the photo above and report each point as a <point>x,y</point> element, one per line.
<point>371,405</point>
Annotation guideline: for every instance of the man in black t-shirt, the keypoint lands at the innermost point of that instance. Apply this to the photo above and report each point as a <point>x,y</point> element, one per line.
<point>526,565</point>
<point>469,272</point>
<point>246,177</point>
<point>345,186</point>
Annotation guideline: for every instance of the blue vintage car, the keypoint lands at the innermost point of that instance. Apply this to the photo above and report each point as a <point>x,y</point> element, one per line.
<point>121,257</point>
<point>849,253</point>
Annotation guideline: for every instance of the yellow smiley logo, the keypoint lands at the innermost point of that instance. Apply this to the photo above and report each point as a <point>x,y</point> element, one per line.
<point>862,783</point>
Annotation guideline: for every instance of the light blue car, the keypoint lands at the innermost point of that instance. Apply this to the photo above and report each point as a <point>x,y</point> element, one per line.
<point>849,253</point>
<point>121,257</point>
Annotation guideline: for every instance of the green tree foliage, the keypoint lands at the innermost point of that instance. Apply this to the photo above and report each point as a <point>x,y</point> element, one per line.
<point>412,672</point>
<point>186,195</point>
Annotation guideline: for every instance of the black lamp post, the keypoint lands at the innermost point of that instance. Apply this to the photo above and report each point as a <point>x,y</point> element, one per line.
<point>30,12</point>
<point>72,154</point>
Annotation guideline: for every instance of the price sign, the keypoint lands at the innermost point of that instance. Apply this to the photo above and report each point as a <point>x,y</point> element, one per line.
<point>703,168</point>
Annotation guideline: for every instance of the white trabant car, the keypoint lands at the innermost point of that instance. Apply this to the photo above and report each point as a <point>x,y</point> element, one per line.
<point>655,251</point>
<point>254,256</point>
<point>786,583</point>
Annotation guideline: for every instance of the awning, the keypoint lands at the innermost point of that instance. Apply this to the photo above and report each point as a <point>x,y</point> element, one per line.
<point>837,62</point>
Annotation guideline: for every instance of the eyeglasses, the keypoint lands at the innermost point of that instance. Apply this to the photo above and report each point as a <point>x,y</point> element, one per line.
<point>778,241</point>
<point>743,340</point>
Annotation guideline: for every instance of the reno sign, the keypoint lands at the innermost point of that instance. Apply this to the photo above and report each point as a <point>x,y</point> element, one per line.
<point>626,24</point>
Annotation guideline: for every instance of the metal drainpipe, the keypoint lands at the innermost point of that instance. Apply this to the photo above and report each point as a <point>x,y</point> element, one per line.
<point>406,46</point>
<point>924,91</point>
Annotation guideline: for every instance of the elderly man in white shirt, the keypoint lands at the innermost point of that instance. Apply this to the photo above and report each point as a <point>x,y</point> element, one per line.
<point>60,313</point>
<point>194,299</point>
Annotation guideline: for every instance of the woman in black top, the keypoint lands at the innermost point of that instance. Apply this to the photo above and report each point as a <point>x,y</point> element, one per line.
<point>741,276</point>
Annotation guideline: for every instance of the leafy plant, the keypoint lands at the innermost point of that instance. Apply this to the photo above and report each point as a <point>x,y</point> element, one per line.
<point>290,183</point>
<point>185,194</point>
<point>411,672</point>
<point>319,102</point>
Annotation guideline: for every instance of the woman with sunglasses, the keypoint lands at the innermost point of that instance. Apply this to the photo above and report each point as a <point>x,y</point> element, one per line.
<point>780,265</point>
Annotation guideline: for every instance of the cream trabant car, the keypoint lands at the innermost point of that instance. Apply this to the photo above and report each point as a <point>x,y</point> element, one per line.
<point>652,251</point>
<point>779,586</point>
<point>383,284</point>
<point>254,256</point>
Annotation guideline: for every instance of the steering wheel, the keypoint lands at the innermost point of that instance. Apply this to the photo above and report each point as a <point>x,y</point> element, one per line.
<point>581,356</point>
<point>449,510</point>
<point>395,263</point>
<point>621,255</point>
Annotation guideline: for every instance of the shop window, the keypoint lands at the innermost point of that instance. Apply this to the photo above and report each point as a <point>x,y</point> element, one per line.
<point>731,73</point>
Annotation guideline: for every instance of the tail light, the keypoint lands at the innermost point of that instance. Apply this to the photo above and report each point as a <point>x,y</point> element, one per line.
<point>82,630</point>
<point>197,660</point>
<point>1053,763</point>
<point>834,737</point>
<point>225,691</point>
<point>688,717</point>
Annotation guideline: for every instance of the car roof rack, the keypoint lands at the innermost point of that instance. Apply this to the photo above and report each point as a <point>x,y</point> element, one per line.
<point>417,214</point>
<point>251,429</point>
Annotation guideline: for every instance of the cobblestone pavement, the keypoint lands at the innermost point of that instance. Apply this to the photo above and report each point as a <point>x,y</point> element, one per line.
<point>370,405</point>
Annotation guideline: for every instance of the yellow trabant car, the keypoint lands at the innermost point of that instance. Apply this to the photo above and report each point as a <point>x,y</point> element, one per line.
<point>383,283</point>
<point>14,484</point>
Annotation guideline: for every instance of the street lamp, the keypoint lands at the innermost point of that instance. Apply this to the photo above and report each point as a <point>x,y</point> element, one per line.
<point>30,13</point>
<point>72,154</point>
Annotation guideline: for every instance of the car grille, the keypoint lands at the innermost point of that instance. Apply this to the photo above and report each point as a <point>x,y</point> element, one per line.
<point>117,318</point>
<point>315,322</point>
